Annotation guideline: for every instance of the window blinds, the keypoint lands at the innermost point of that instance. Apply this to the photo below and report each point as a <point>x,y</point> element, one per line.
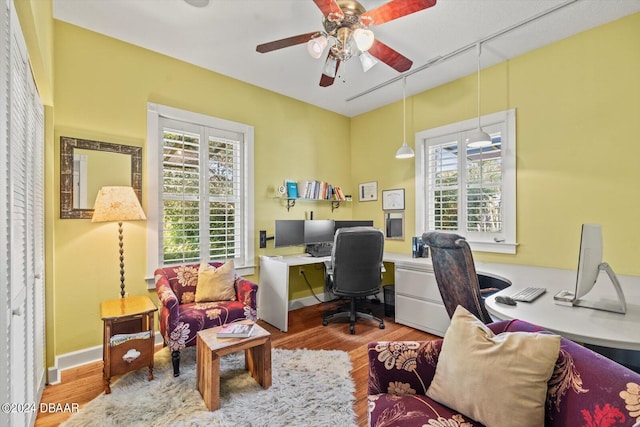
<point>464,189</point>
<point>202,200</point>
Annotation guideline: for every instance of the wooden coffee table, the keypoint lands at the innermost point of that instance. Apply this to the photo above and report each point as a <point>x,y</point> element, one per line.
<point>209,349</point>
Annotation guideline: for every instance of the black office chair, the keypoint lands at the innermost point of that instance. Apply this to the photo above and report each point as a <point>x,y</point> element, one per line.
<point>355,270</point>
<point>456,273</point>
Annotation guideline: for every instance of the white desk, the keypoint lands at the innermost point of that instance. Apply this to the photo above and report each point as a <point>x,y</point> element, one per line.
<point>273,290</point>
<point>619,331</point>
<point>424,309</point>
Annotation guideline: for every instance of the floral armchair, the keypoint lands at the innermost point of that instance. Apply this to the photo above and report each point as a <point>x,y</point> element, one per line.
<point>585,389</point>
<point>181,317</point>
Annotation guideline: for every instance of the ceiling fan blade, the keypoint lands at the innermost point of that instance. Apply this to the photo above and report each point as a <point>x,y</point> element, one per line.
<point>391,57</point>
<point>329,6</point>
<point>329,67</point>
<point>282,43</point>
<point>397,9</point>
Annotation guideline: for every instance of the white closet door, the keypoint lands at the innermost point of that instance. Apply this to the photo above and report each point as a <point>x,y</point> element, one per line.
<point>18,114</point>
<point>5,313</point>
<point>22,292</point>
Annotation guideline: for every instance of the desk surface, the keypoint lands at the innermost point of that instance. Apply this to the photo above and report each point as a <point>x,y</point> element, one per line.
<point>579,324</point>
<point>576,323</point>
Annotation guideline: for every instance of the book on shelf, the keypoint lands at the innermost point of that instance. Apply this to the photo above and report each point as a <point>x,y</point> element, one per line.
<point>292,189</point>
<point>236,330</point>
<point>319,190</point>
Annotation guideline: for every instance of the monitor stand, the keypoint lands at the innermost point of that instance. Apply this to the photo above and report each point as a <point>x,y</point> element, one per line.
<point>619,306</point>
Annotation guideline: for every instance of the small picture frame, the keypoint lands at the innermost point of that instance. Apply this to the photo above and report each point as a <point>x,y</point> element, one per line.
<point>368,191</point>
<point>393,200</point>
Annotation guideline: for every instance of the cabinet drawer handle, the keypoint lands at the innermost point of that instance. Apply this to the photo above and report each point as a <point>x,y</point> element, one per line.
<point>131,355</point>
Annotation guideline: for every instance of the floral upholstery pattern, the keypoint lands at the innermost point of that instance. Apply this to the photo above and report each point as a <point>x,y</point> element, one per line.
<point>181,317</point>
<point>585,390</point>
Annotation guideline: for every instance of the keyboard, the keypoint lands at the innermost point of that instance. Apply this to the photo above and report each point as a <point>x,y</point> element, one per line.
<point>528,294</point>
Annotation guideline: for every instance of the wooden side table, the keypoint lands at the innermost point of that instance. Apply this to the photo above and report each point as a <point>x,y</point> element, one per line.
<point>128,336</point>
<point>209,349</point>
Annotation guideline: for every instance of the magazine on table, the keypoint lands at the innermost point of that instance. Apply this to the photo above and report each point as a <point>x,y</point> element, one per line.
<point>236,330</point>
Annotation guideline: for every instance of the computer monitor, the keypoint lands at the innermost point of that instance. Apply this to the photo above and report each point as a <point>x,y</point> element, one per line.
<point>353,223</point>
<point>589,259</point>
<point>589,266</point>
<point>289,232</point>
<point>318,231</point>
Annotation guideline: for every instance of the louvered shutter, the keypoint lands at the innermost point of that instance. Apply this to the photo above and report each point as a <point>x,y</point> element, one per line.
<point>202,193</point>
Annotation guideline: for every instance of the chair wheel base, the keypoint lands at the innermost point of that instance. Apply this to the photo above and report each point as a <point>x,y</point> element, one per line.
<point>381,326</point>
<point>325,322</point>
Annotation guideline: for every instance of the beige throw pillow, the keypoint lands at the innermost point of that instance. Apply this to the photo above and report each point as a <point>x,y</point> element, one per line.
<point>216,284</point>
<point>498,380</point>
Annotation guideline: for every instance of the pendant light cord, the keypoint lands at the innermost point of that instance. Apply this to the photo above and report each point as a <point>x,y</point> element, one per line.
<point>404,109</point>
<point>478,45</point>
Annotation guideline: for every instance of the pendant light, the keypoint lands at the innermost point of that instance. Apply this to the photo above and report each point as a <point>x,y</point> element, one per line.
<point>479,138</point>
<point>404,152</point>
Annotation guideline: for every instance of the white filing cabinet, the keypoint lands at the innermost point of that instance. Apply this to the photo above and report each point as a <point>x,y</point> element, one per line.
<point>417,299</point>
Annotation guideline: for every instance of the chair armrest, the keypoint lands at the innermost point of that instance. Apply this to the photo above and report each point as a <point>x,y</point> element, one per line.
<point>246,292</point>
<point>584,383</point>
<point>167,297</point>
<point>397,366</point>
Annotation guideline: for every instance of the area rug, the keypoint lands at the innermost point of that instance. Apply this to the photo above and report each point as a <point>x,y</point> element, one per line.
<point>309,388</point>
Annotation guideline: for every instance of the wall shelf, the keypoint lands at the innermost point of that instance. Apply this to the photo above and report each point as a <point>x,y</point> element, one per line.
<point>291,202</point>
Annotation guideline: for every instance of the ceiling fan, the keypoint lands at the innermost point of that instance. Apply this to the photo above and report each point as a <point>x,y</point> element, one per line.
<point>346,32</point>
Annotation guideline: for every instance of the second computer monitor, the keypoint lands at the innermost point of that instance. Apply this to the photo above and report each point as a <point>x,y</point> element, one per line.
<point>353,223</point>
<point>318,231</point>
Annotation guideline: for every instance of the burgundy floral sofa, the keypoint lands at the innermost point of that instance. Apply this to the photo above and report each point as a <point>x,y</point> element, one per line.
<point>585,389</point>
<point>181,317</point>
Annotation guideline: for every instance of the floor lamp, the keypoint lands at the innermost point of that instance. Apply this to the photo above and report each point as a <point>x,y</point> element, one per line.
<point>118,204</point>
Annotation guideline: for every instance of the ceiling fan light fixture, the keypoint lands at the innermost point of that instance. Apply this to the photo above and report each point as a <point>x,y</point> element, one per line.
<point>330,67</point>
<point>316,46</point>
<point>364,39</point>
<point>479,139</point>
<point>367,61</point>
<point>197,3</point>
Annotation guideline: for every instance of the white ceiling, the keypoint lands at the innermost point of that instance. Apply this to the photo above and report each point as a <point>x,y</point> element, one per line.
<point>222,37</point>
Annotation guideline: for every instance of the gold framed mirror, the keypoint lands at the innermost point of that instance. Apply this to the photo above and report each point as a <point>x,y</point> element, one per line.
<point>394,225</point>
<point>86,166</point>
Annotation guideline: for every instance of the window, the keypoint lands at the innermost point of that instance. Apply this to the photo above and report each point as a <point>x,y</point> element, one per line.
<point>200,189</point>
<point>469,191</point>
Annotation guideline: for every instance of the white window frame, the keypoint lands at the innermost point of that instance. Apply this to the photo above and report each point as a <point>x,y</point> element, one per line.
<point>156,112</point>
<point>505,241</point>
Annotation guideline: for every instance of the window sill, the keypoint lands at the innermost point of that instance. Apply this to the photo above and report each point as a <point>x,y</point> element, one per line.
<point>241,271</point>
<point>495,247</point>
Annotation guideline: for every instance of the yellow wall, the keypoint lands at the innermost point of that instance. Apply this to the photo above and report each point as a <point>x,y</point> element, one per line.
<point>36,21</point>
<point>102,89</point>
<point>577,104</point>
<point>577,112</point>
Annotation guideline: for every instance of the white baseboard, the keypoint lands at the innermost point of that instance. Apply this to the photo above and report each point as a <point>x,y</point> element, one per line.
<point>79,358</point>
<point>304,302</point>
<point>310,300</point>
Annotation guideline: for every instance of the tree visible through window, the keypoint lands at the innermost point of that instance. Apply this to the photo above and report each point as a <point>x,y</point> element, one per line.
<point>200,205</point>
<point>201,196</point>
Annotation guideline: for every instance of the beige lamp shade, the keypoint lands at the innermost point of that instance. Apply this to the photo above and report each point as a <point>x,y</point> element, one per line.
<point>117,204</point>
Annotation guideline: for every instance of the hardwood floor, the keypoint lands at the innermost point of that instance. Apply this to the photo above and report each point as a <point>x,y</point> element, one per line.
<point>82,384</point>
